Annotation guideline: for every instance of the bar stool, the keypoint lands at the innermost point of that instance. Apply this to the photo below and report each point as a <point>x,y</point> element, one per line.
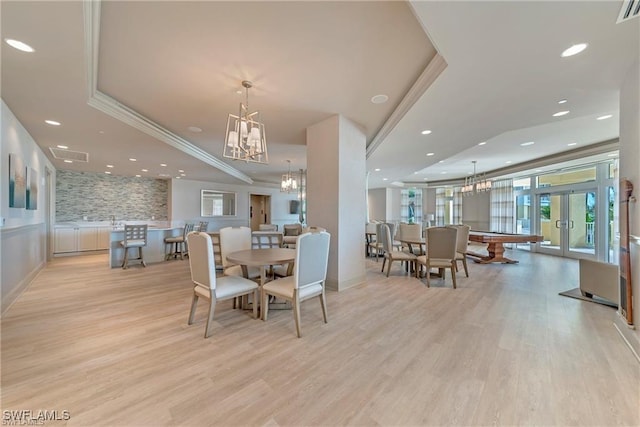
<point>135,236</point>
<point>178,243</point>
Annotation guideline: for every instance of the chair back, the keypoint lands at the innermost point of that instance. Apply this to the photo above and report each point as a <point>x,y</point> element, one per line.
<point>441,242</point>
<point>135,234</point>
<point>233,239</point>
<point>410,231</point>
<point>203,226</point>
<point>462,241</point>
<point>313,229</point>
<point>268,227</point>
<point>312,258</point>
<point>266,239</point>
<point>201,262</point>
<point>370,227</point>
<point>188,228</point>
<point>292,229</point>
<point>384,237</point>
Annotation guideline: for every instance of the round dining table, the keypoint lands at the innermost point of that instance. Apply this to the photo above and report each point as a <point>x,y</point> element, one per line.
<point>262,258</point>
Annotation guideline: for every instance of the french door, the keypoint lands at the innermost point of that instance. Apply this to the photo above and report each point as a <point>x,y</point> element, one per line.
<point>568,222</point>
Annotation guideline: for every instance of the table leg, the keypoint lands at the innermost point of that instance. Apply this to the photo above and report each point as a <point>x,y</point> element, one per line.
<point>496,254</point>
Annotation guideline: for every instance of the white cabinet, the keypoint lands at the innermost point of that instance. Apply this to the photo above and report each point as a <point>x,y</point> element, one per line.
<point>79,239</point>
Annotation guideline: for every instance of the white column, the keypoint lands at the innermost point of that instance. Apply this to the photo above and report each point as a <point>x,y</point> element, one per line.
<point>336,196</point>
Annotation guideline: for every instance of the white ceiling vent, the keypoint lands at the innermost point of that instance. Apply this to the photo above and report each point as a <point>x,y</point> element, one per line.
<point>76,156</point>
<point>630,9</point>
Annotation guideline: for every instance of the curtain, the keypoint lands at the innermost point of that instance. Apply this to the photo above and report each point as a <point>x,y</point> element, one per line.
<point>502,206</point>
<point>441,197</point>
<point>457,205</point>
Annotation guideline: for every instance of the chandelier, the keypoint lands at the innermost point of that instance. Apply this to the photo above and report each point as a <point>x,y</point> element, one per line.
<point>475,184</point>
<point>245,138</point>
<point>289,181</point>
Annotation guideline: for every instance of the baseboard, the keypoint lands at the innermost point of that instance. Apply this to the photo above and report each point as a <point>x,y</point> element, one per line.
<point>11,297</point>
<point>628,334</point>
<point>342,285</point>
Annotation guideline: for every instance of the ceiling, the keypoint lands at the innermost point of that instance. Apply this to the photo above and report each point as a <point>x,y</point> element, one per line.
<point>470,72</point>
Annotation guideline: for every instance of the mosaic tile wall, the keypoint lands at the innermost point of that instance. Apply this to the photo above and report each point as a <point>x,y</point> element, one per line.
<point>99,196</point>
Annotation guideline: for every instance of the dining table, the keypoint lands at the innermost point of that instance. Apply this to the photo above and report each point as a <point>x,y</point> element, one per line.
<point>411,242</point>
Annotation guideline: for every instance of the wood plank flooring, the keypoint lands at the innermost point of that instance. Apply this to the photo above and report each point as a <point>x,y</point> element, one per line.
<point>113,348</point>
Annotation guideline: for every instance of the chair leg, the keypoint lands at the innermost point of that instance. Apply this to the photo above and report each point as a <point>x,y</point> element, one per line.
<point>192,313</point>
<point>296,315</point>
<point>453,276</point>
<point>141,257</point>
<point>265,305</point>
<point>181,246</point>
<point>427,274</point>
<point>384,260</point>
<point>464,263</point>
<point>256,298</point>
<point>389,266</point>
<point>212,309</point>
<point>323,303</point>
<point>125,261</point>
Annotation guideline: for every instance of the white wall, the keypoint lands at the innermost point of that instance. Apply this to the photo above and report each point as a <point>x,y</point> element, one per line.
<point>23,236</point>
<point>184,203</point>
<point>377,204</point>
<point>630,169</point>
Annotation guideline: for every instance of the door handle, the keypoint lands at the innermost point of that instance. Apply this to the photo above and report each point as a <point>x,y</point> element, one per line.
<point>571,221</point>
<point>558,221</point>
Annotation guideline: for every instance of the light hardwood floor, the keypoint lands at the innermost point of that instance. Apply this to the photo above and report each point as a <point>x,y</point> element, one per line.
<point>113,347</point>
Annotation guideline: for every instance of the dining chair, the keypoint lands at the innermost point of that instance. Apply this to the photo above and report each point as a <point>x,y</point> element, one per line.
<point>291,233</point>
<point>462,244</point>
<point>178,244</point>
<point>135,236</point>
<point>207,286</point>
<point>233,239</point>
<point>268,227</point>
<point>391,254</point>
<point>267,240</point>
<point>411,231</point>
<point>308,280</point>
<point>369,238</point>
<point>202,226</point>
<point>441,252</point>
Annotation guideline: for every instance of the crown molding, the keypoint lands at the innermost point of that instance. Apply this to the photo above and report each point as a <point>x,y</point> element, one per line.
<point>109,105</point>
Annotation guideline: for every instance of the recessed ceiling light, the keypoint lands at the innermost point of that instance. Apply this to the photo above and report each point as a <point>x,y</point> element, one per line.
<point>101,132</point>
<point>109,166</point>
<point>571,144</point>
<point>377,169</point>
<point>430,154</point>
<point>183,174</point>
<point>239,92</point>
<point>163,164</point>
<point>525,144</point>
<point>482,143</point>
<point>562,101</point>
<point>561,113</point>
<point>16,44</point>
<point>508,162</point>
<point>164,174</point>
<point>107,172</point>
<point>68,161</point>
<point>426,132</point>
<point>379,99</point>
<point>425,178</point>
<point>384,179</point>
<point>64,147</point>
<point>443,172</point>
<point>177,177</point>
<point>574,50</point>
<point>145,170</point>
<point>538,170</point>
<point>138,176</point>
<point>416,173</point>
<point>195,129</point>
<point>52,122</point>
<point>441,161</point>
<point>180,170</point>
<point>607,116</point>
<point>133,160</point>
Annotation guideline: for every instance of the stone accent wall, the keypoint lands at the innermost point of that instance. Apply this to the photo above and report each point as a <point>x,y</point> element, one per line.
<point>99,196</point>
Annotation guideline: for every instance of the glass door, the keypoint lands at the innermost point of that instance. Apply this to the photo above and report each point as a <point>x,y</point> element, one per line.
<point>568,223</point>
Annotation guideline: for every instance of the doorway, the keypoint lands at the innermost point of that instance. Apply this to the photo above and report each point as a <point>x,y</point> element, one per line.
<point>568,222</point>
<point>259,210</point>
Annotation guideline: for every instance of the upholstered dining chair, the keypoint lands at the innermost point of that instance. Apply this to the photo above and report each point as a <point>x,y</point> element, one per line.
<point>462,243</point>
<point>291,233</point>
<point>268,227</point>
<point>135,236</point>
<point>178,244</point>
<point>441,252</point>
<point>207,286</point>
<point>391,254</point>
<point>233,239</point>
<point>411,231</point>
<point>308,280</point>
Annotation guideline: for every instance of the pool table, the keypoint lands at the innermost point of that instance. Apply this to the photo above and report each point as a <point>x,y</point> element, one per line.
<point>495,245</point>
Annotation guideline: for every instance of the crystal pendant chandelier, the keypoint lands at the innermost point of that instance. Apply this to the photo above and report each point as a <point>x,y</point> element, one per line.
<point>245,137</point>
<point>289,181</point>
<point>475,184</point>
